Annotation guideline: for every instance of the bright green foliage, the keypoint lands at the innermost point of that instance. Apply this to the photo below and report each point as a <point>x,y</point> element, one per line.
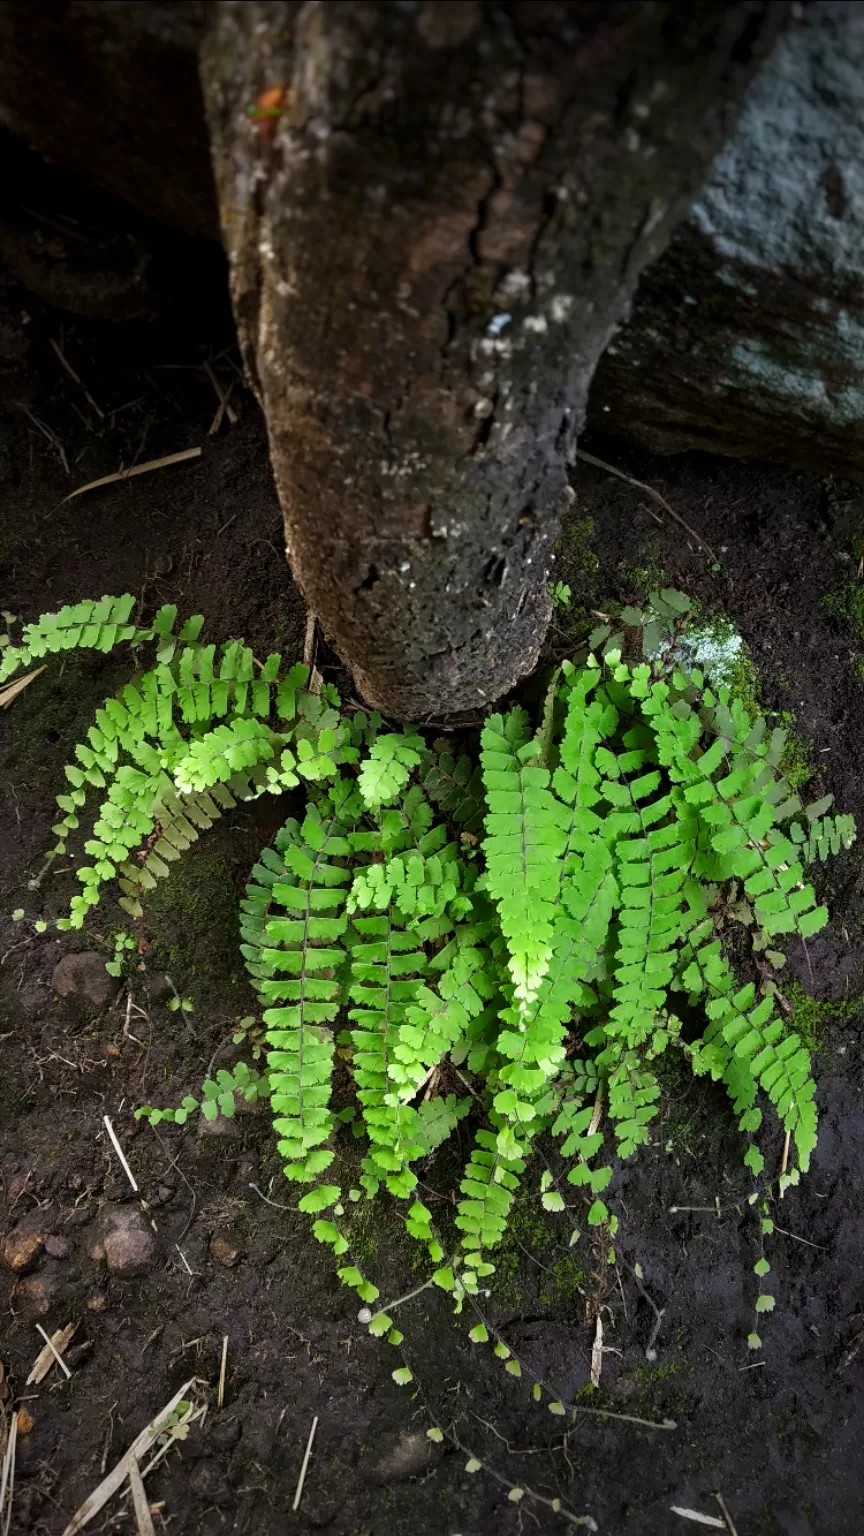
<point>92,625</point>
<point>292,922</point>
<point>199,730</point>
<point>388,768</point>
<point>525,840</point>
<point>123,945</point>
<point>218,1097</point>
<point>823,837</point>
<point>525,940</point>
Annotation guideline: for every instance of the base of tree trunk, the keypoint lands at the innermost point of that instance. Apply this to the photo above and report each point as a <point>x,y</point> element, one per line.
<point>436,215</point>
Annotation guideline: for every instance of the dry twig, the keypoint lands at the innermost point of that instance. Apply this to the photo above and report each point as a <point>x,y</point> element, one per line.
<point>119,1474</point>
<point>597,1352</point>
<point>137,469</point>
<point>220,1398</point>
<point>309,649</point>
<point>726,1515</point>
<point>12,690</point>
<point>73,375</point>
<point>51,1354</point>
<point>143,1518</point>
<point>302,1478</point>
<point>225,409</point>
<point>47,433</point>
<point>650,491</point>
<point>698,1518</point>
<point>7,1476</point>
<point>119,1150</point>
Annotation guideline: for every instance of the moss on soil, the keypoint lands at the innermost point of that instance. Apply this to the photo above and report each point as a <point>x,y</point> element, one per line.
<point>847,604</point>
<point>535,1242</point>
<point>810,1016</point>
<point>577,567</point>
<point>192,917</point>
<point>649,575</point>
<point>54,713</point>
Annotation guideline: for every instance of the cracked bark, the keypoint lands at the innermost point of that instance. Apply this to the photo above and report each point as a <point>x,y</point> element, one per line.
<point>430,248</point>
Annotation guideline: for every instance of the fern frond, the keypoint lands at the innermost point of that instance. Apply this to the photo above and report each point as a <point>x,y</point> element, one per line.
<point>774,1055</point>
<point>487,1191</point>
<point>580,1092</point>
<point>524,844</point>
<point>741,811</point>
<point>90,625</point>
<point>387,964</point>
<point>615,842</point>
<point>824,837</point>
<point>417,885</point>
<point>456,787</point>
<point>654,849</point>
<point>746,737</point>
<point>437,1019</point>
<point>293,929</point>
<point>633,1092</point>
<point>391,761</point>
<point>228,749</point>
<point>532,1052</point>
<point>577,781</point>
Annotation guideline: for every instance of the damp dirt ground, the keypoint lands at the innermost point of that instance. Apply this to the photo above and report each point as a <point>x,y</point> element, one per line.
<point>777,1435</point>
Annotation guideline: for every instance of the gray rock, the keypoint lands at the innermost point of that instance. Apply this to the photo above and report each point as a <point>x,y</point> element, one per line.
<point>747,336</point>
<point>399,1456</point>
<point>126,1242</point>
<point>84,978</point>
<point>88,67</point>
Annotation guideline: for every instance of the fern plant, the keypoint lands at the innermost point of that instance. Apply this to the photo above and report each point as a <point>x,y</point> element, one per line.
<point>509,941</point>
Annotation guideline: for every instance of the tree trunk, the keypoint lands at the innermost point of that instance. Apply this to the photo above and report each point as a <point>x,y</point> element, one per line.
<point>432,236</point>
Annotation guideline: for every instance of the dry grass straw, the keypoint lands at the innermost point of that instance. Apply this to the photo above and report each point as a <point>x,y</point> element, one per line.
<point>137,469</point>
<point>143,1518</point>
<point>119,1150</point>
<point>302,1478</point>
<point>220,1399</point>
<point>12,690</point>
<point>51,1354</point>
<point>162,1424</point>
<point>7,1474</point>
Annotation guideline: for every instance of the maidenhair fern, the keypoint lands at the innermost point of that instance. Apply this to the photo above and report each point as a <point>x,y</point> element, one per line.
<point>507,943</point>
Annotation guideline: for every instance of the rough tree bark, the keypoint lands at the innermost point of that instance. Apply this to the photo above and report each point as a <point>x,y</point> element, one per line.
<point>431,244</point>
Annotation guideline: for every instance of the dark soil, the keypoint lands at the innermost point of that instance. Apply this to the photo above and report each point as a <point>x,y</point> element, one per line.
<point>777,1435</point>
